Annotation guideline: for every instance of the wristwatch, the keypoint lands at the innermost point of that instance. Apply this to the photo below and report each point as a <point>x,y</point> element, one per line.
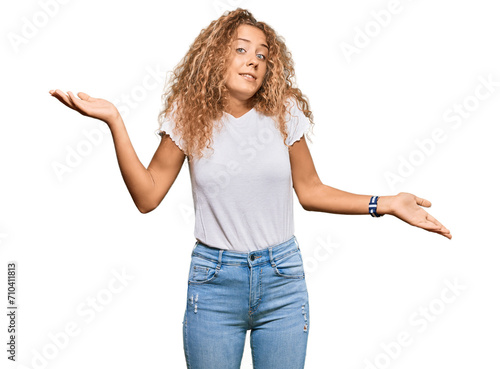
<point>372,207</point>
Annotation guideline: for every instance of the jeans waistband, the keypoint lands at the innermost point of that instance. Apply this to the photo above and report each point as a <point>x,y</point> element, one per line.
<point>266,255</point>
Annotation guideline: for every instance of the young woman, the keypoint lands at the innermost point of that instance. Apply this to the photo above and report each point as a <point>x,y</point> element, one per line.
<point>233,109</point>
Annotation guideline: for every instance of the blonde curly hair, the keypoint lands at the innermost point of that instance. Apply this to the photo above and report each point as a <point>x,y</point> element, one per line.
<point>197,87</point>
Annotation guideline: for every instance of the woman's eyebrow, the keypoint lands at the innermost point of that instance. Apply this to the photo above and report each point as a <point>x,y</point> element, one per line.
<point>243,39</point>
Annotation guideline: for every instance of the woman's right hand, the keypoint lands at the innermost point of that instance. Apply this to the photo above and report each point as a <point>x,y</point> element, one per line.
<point>89,106</point>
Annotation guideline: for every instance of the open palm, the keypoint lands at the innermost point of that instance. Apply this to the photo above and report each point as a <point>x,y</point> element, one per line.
<point>86,105</point>
<point>407,207</point>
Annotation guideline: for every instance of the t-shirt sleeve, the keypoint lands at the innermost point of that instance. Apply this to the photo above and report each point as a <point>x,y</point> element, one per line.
<point>167,126</point>
<point>298,124</point>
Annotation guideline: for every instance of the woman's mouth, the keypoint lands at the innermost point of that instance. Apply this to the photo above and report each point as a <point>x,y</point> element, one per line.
<point>248,77</point>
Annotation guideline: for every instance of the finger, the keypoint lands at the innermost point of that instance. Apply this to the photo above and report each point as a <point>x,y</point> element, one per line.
<point>423,202</point>
<point>58,97</point>
<point>84,96</point>
<point>433,227</point>
<point>446,234</point>
<point>442,229</point>
<point>61,96</point>
<point>77,102</point>
<point>432,219</point>
<point>430,226</point>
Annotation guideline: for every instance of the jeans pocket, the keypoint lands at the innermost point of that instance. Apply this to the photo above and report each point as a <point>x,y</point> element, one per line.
<point>290,266</point>
<point>202,270</point>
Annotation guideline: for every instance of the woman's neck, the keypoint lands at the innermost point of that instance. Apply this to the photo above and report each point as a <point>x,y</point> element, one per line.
<point>237,108</point>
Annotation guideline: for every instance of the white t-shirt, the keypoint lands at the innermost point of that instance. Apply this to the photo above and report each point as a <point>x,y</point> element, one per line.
<point>242,191</point>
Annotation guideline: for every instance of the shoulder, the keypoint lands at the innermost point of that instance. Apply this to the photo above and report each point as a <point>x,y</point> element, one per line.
<point>295,108</point>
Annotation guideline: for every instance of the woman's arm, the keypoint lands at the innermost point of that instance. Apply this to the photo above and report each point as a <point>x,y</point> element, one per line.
<point>148,186</point>
<point>313,195</point>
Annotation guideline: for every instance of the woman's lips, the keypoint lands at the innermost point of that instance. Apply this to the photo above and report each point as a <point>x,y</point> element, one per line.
<point>248,77</point>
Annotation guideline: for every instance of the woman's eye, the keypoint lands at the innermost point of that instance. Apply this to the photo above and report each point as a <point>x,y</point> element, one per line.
<point>260,56</point>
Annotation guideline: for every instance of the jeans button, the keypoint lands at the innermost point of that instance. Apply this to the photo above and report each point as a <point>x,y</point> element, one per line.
<point>252,257</point>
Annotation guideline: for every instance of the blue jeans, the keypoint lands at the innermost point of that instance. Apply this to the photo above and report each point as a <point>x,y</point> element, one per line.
<point>230,292</point>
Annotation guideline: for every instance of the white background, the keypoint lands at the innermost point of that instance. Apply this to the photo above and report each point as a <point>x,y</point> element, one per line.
<point>367,277</point>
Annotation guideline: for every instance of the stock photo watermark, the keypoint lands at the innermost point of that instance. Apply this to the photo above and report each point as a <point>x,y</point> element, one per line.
<point>32,25</point>
<point>12,310</point>
<point>86,311</point>
<point>364,36</point>
<point>220,6</point>
<point>92,138</point>
<point>248,148</point>
<point>420,320</point>
<point>453,117</point>
<point>324,249</point>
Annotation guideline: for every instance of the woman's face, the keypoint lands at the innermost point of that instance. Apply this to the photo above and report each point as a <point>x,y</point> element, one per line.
<point>247,63</point>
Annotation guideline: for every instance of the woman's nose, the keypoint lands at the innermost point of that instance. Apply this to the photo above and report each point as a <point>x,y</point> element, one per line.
<point>252,60</point>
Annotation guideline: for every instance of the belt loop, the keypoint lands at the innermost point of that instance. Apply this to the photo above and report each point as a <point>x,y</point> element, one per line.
<point>271,257</point>
<point>220,259</point>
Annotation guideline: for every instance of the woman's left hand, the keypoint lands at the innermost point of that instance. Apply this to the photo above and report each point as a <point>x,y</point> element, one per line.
<point>407,207</point>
